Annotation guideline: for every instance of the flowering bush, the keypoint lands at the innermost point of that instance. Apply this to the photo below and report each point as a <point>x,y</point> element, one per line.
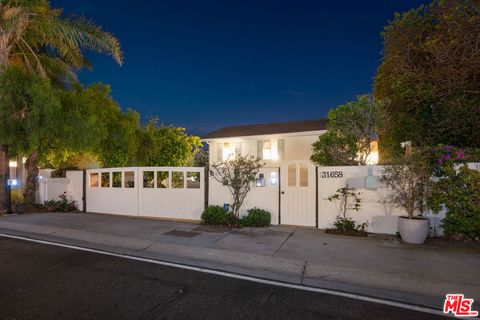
<point>62,205</point>
<point>445,158</point>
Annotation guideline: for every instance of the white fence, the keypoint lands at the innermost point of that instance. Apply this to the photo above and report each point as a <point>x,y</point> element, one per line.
<point>264,193</point>
<point>160,192</point>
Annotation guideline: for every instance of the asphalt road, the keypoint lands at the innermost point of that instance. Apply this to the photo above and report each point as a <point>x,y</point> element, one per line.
<point>46,282</point>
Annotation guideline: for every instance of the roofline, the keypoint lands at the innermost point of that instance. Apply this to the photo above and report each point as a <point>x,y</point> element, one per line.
<point>254,136</point>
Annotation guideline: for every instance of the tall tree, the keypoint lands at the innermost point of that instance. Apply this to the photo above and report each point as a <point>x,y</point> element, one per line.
<point>430,75</point>
<point>167,146</point>
<point>36,37</point>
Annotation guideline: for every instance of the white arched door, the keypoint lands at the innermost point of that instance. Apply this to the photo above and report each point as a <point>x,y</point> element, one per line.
<point>297,194</point>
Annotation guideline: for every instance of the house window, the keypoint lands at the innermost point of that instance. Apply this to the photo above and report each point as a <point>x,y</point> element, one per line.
<point>273,178</point>
<point>228,151</point>
<point>292,175</point>
<point>303,175</point>
<point>93,180</point>
<point>269,150</point>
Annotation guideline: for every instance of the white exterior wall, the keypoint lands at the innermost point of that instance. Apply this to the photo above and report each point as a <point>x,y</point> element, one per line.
<point>52,188</point>
<point>297,146</point>
<point>266,197</point>
<point>381,216</point>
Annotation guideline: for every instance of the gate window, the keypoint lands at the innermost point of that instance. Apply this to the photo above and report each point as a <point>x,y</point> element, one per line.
<point>93,180</point>
<point>116,179</point>
<point>292,175</point>
<point>129,179</point>
<point>105,181</point>
<point>177,179</point>
<point>148,179</point>
<point>303,175</point>
<point>162,179</point>
<point>193,180</point>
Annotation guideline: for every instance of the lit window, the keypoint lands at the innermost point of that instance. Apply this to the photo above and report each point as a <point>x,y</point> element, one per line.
<point>228,151</point>
<point>303,175</point>
<point>292,175</point>
<point>270,150</point>
<point>267,149</point>
<point>273,178</point>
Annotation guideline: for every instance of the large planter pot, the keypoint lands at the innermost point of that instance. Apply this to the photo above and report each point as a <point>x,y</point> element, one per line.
<point>413,230</point>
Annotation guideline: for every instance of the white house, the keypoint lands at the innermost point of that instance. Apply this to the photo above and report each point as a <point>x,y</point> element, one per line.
<point>286,185</point>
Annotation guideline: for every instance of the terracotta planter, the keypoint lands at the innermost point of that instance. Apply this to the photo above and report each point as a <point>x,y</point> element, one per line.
<point>413,230</point>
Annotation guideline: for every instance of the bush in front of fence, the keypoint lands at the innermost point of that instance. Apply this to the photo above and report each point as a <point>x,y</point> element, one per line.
<point>216,215</point>
<point>256,218</point>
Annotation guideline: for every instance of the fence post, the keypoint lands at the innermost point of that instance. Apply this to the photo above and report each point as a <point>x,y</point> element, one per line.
<point>84,191</point>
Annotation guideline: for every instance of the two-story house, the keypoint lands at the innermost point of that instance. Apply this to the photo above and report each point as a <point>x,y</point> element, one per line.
<point>286,184</point>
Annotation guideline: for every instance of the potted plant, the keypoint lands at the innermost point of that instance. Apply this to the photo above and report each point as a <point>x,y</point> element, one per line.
<point>408,183</point>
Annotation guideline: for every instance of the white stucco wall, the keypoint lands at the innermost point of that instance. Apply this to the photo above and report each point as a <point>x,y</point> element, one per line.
<point>297,146</point>
<point>52,188</point>
<point>261,197</point>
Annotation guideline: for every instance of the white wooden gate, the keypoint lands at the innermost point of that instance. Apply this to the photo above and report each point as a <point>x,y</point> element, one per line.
<point>161,192</point>
<point>298,194</point>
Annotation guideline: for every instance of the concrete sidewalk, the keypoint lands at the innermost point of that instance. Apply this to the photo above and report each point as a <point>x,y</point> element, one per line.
<point>379,266</point>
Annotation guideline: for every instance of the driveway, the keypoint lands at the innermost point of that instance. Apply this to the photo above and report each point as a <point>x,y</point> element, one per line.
<point>380,266</point>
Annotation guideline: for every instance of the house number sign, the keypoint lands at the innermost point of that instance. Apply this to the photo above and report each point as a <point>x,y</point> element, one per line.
<point>331,174</point>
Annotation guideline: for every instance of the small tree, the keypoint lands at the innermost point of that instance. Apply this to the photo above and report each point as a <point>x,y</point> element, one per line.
<point>349,200</point>
<point>237,175</point>
<point>332,149</point>
<point>351,130</point>
<point>408,183</point>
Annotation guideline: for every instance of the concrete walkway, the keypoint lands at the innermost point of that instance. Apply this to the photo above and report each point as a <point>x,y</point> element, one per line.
<point>379,266</point>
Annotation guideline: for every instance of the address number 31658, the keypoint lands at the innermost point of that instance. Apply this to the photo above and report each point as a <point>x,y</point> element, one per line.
<point>331,174</point>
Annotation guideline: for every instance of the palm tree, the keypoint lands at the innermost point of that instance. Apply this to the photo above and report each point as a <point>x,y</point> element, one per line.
<point>36,37</point>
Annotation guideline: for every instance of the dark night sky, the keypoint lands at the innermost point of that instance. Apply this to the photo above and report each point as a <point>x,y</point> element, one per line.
<point>206,64</point>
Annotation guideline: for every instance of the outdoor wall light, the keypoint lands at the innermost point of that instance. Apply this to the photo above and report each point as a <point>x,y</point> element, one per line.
<point>12,164</point>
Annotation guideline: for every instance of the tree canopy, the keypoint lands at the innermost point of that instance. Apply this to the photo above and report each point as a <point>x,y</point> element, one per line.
<point>351,129</point>
<point>430,75</point>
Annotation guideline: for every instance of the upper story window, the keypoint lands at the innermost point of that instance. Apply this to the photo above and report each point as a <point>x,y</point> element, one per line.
<point>228,150</point>
<point>270,149</point>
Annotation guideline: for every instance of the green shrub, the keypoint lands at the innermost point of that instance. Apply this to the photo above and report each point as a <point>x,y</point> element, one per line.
<point>460,193</point>
<point>256,218</point>
<point>216,215</point>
